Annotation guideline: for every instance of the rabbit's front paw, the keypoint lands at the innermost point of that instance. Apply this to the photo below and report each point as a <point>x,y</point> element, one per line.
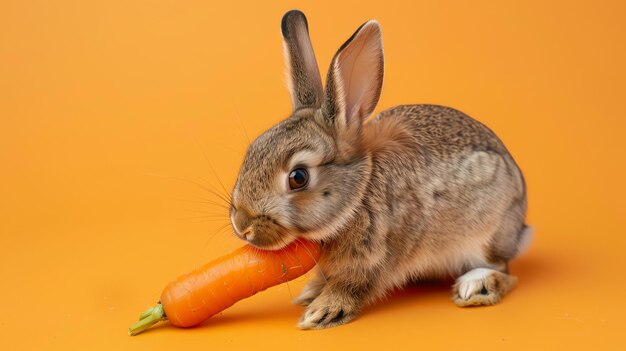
<point>310,291</point>
<point>327,311</point>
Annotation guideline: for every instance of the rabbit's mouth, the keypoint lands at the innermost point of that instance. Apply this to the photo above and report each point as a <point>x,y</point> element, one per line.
<point>267,235</point>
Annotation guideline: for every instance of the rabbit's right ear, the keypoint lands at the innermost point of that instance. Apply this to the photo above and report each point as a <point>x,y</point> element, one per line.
<point>353,86</point>
<point>303,76</point>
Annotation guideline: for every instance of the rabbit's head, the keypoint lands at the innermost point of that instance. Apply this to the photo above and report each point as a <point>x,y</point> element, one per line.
<point>305,176</point>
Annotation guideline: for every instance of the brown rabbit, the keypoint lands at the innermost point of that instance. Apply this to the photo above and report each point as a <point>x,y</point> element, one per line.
<point>418,192</point>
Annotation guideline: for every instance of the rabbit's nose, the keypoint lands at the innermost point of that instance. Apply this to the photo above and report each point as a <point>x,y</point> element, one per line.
<point>241,222</point>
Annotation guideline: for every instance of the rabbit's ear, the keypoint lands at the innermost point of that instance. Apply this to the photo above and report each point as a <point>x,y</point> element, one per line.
<point>355,79</point>
<point>303,75</point>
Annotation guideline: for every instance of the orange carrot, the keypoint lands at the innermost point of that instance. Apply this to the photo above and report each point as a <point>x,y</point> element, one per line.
<point>210,289</point>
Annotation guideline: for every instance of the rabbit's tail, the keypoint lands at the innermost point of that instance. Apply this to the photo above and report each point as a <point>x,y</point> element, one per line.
<point>525,239</point>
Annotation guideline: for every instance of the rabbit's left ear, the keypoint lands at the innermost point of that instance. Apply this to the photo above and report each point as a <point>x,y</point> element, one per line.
<point>303,75</point>
<point>355,79</point>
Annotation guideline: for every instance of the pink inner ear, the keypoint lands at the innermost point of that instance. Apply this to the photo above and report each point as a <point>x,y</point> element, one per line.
<point>360,67</point>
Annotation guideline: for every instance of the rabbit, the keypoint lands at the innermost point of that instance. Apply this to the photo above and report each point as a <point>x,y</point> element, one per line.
<point>417,192</point>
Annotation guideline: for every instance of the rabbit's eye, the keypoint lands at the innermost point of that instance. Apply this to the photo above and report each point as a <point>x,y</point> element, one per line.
<point>298,178</point>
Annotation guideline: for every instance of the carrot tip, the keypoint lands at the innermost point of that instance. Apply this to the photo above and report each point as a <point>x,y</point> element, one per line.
<point>148,318</point>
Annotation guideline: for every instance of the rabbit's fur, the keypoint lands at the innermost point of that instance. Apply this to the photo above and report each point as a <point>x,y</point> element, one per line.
<point>418,192</point>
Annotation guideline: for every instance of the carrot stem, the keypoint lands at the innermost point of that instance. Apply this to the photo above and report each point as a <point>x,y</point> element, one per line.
<point>148,318</point>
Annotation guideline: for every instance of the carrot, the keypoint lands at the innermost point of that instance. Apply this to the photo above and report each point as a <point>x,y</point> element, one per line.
<point>210,289</point>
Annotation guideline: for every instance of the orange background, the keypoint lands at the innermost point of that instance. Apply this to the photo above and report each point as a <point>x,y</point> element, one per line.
<point>105,105</point>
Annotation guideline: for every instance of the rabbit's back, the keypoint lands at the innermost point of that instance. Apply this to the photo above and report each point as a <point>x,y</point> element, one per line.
<point>443,131</point>
<point>445,187</point>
